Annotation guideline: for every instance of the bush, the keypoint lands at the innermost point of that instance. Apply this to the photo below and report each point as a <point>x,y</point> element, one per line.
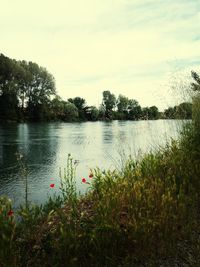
<point>7,231</point>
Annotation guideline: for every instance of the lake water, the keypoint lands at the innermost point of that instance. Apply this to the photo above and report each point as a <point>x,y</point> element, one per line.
<point>45,147</point>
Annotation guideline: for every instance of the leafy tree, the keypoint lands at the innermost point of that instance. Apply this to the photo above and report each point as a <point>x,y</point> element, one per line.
<point>150,113</point>
<point>37,88</point>
<point>10,74</point>
<point>135,110</point>
<point>184,111</point>
<point>122,107</point>
<point>70,112</point>
<point>153,113</point>
<point>57,108</point>
<point>122,103</point>
<point>23,84</point>
<point>102,112</point>
<point>80,103</point>
<point>93,113</point>
<point>109,102</point>
<point>170,113</point>
<point>145,113</point>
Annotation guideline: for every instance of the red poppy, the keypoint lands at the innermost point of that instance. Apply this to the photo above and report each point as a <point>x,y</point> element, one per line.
<point>10,213</point>
<point>91,175</point>
<point>83,180</point>
<point>52,185</point>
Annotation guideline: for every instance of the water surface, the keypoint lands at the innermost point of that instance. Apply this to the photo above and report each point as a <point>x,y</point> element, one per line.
<point>45,147</point>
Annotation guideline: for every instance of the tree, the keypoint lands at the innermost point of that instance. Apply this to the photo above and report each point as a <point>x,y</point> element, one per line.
<point>57,108</point>
<point>109,102</point>
<point>135,110</point>
<point>70,111</point>
<point>170,113</point>
<point>122,103</point>
<point>10,74</point>
<point>80,103</point>
<point>23,82</point>
<point>36,88</point>
<point>102,112</point>
<point>122,107</point>
<point>24,86</point>
<point>153,113</point>
<point>184,111</point>
<point>92,113</point>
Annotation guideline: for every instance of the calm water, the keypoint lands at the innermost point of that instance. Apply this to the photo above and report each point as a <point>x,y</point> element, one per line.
<point>45,148</point>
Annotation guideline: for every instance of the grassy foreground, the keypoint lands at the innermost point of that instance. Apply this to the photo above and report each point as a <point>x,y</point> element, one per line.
<point>145,215</point>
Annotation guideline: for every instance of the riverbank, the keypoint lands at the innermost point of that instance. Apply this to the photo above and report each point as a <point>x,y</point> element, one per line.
<point>146,214</point>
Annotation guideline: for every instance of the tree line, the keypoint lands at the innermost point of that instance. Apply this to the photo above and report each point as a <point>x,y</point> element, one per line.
<point>28,93</point>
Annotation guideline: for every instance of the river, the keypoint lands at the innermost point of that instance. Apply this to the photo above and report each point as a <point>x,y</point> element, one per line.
<point>45,147</point>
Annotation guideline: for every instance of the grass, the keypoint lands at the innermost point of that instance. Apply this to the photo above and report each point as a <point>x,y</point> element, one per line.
<point>146,214</point>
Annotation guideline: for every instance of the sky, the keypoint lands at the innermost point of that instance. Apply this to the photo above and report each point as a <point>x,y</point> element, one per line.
<point>142,49</point>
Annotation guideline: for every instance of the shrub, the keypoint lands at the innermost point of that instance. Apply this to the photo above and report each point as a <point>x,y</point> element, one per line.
<point>7,231</point>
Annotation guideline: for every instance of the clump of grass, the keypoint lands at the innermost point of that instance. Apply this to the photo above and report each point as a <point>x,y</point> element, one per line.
<point>7,232</point>
<point>68,180</point>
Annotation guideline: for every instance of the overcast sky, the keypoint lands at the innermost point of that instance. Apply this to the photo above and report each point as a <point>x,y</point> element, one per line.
<point>130,47</point>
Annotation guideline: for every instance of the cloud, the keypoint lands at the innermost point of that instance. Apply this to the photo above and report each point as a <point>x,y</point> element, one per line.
<point>129,47</point>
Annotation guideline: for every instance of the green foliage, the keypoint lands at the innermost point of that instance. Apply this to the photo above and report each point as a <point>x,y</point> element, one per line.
<point>70,112</point>
<point>136,215</point>
<point>30,215</point>
<point>10,74</point>
<point>57,108</point>
<point>109,102</point>
<point>122,103</point>
<point>80,104</point>
<point>128,109</point>
<point>24,84</point>
<point>182,111</point>
<point>92,113</point>
<point>153,113</point>
<point>53,203</point>
<point>68,181</point>
<point>150,113</point>
<point>26,91</point>
<point>135,110</point>
<point>39,86</point>
<point>7,232</point>
<point>102,112</point>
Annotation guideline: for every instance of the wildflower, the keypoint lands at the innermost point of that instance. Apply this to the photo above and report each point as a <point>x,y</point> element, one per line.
<point>52,185</point>
<point>10,213</point>
<point>83,180</point>
<point>91,175</point>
